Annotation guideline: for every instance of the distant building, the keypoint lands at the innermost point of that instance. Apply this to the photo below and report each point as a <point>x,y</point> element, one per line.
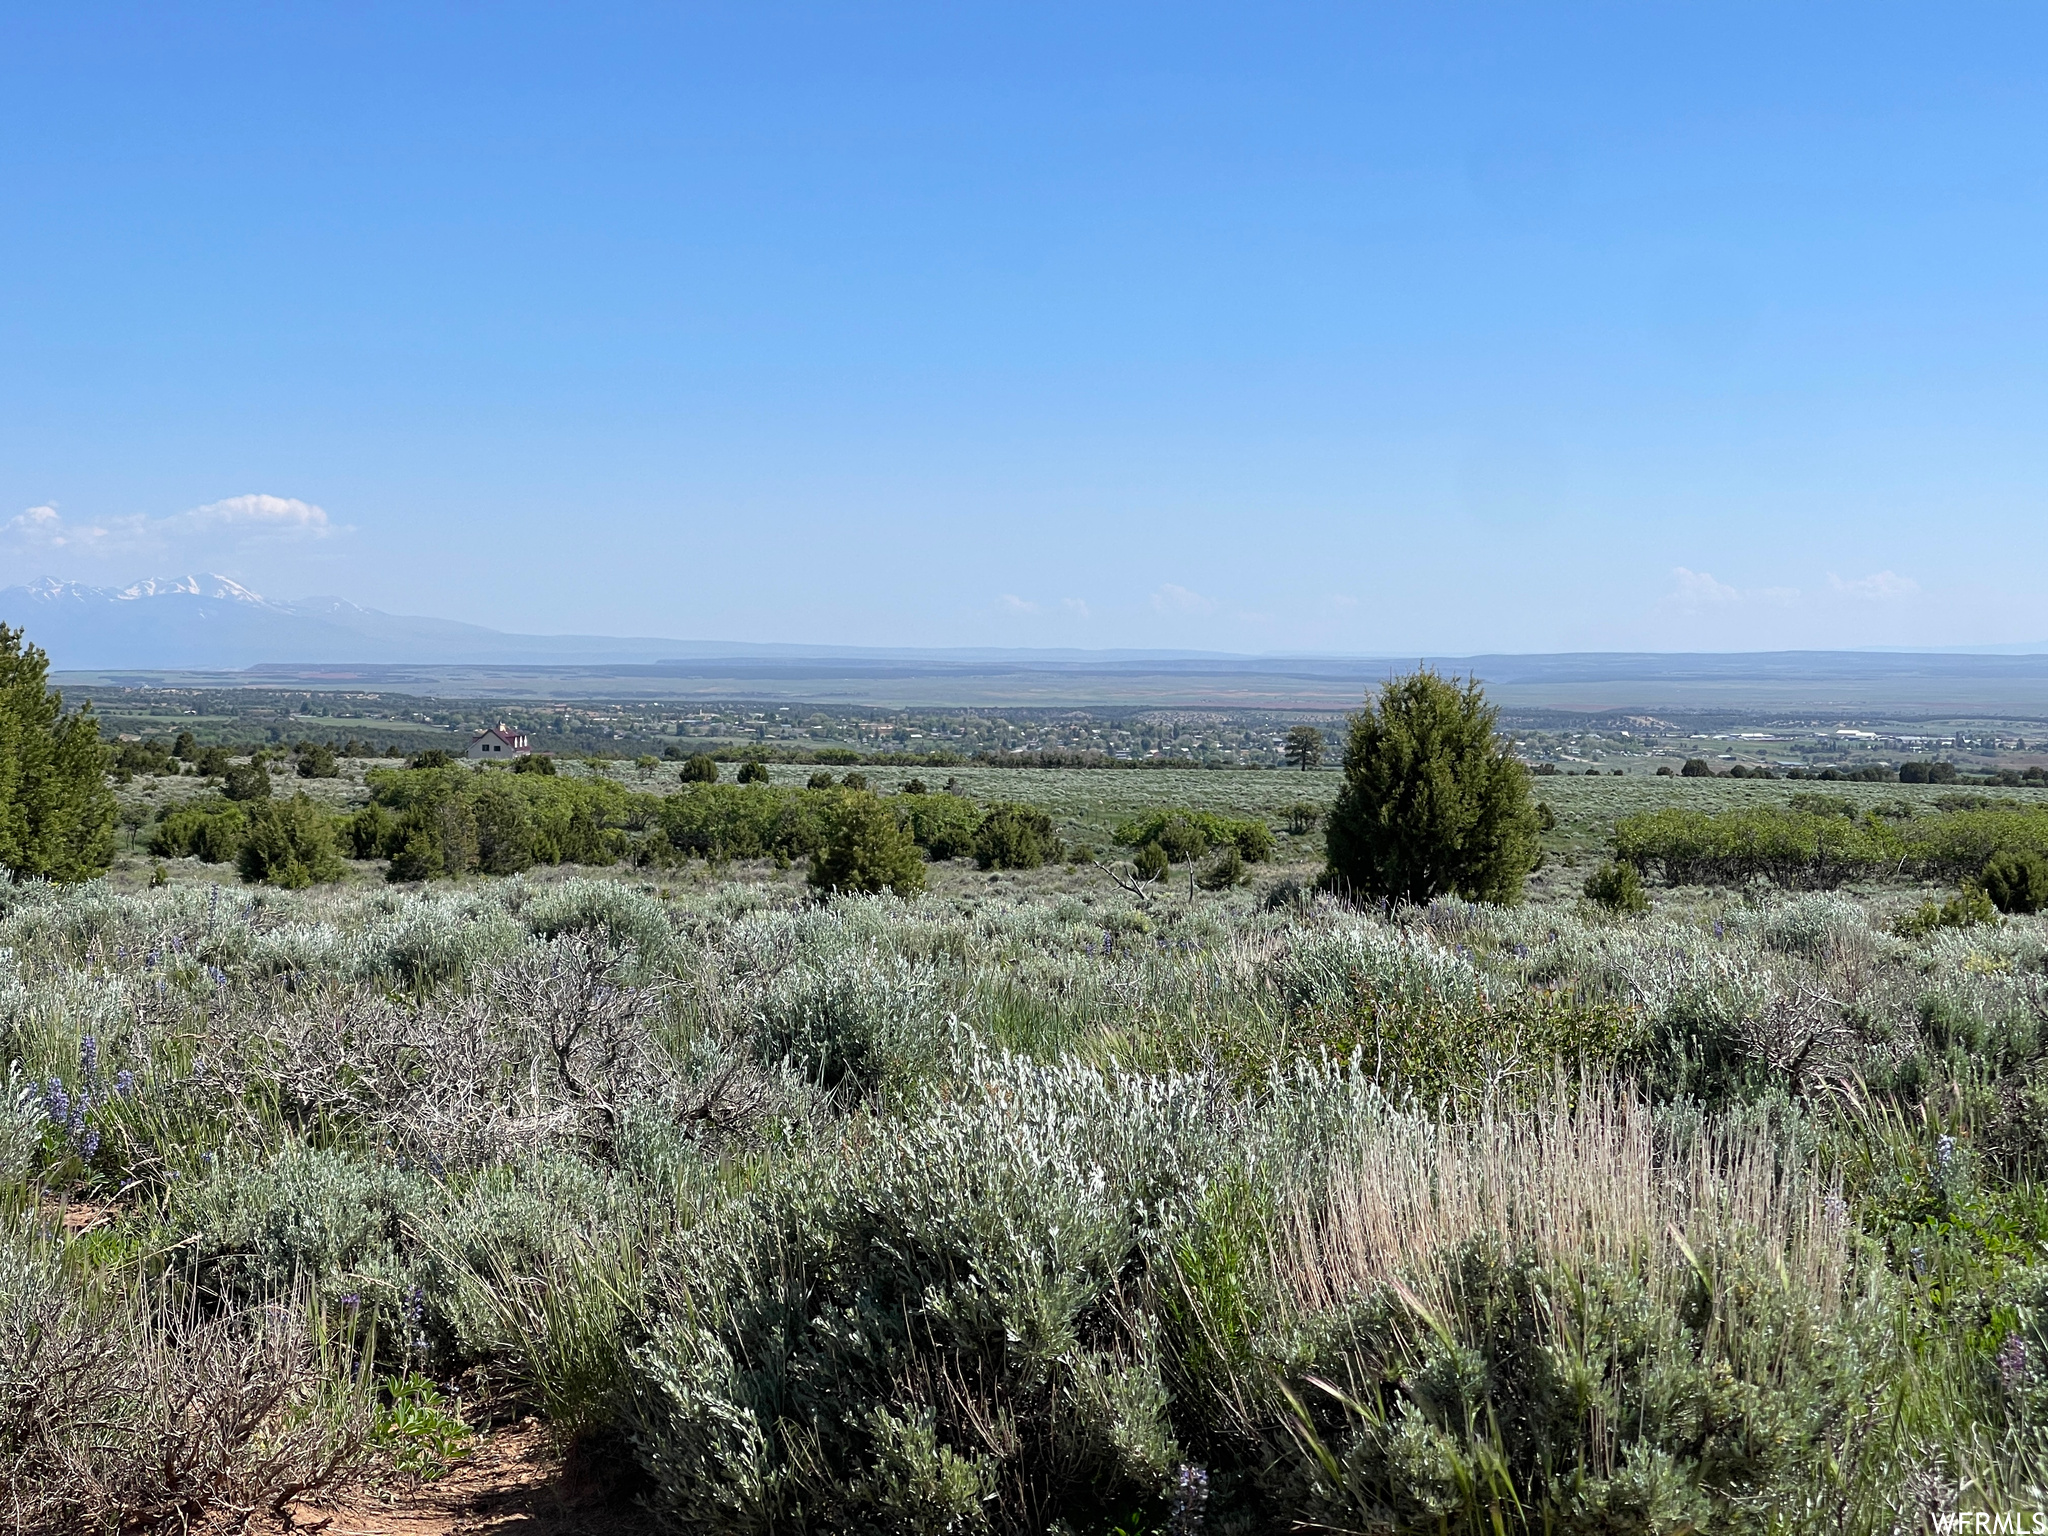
<point>502,742</point>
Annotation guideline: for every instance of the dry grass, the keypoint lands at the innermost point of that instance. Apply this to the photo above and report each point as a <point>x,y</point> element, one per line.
<point>131,1413</point>
<point>1583,1179</point>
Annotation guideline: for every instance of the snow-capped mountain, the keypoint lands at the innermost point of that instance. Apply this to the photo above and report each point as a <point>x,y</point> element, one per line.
<point>48,589</point>
<point>212,621</point>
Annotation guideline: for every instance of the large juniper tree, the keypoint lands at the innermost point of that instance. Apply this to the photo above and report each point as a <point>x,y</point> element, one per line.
<point>56,810</point>
<point>1433,801</point>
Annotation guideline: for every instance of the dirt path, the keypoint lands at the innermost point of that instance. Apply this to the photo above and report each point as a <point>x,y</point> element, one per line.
<point>514,1485</point>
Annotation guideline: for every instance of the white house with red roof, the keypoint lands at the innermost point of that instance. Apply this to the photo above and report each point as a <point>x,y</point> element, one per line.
<point>500,743</point>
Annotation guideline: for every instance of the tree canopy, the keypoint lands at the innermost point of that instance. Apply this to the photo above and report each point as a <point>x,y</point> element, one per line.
<point>1434,803</point>
<point>867,849</point>
<point>1304,747</point>
<point>56,811</point>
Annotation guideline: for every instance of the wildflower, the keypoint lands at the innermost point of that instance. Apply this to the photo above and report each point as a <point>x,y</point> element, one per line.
<point>124,1083</point>
<point>56,1102</point>
<point>2013,1365</point>
<point>1187,1498</point>
<point>1945,1152</point>
<point>89,1057</point>
<point>1836,1209</point>
<point>415,1318</point>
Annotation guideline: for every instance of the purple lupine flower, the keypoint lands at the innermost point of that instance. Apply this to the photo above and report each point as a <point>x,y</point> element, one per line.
<point>89,1057</point>
<point>124,1083</point>
<point>416,1318</point>
<point>56,1102</point>
<point>1188,1499</point>
<point>2013,1365</point>
<point>1945,1152</point>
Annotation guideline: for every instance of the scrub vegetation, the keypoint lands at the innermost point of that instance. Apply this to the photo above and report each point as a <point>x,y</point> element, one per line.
<point>997,1213</point>
<point>899,1157</point>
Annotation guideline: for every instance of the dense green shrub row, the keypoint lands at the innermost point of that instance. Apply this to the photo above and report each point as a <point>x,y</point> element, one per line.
<point>1805,848</point>
<point>1796,849</point>
<point>448,820</point>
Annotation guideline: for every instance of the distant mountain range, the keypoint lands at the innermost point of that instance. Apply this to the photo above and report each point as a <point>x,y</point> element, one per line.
<point>211,622</point>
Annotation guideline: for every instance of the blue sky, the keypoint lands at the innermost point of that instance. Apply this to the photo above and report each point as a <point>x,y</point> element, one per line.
<point>1376,329</point>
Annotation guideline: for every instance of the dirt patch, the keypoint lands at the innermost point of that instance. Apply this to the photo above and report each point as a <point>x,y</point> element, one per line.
<point>515,1484</point>
<point>77,1218</point>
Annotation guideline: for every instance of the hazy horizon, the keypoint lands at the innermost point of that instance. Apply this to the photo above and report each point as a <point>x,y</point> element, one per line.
<point>702,645</point>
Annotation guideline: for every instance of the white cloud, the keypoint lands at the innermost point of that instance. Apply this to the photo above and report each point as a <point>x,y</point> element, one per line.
<point>1883,587</point>
<point>1699,590</point>
<point>268,514</point>
<point>236,521</point>
<point>35,523</point>
<point>1075,606</point>
<point>45,528</point>
<point>1172,599</point>
<point>1012,603</point>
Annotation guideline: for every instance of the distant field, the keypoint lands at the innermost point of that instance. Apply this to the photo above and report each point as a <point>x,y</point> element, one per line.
<point>1821,682</point>
<point>1088,803</point>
